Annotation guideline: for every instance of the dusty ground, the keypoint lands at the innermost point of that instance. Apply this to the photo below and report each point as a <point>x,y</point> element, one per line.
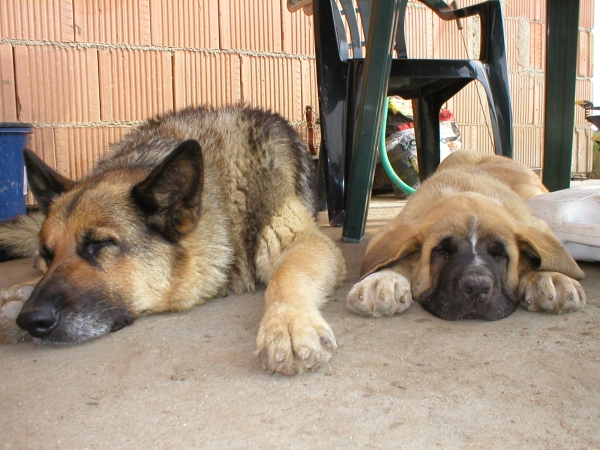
<point>189,380</point>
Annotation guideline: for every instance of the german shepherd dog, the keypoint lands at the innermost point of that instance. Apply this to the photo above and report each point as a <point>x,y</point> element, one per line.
<point>188,206</point>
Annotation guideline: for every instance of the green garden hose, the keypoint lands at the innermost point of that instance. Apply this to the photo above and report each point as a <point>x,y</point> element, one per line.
<point>389,170</point>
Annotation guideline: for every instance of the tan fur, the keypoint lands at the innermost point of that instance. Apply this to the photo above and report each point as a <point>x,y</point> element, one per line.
<point>255,225</point>
<point>468,188</point>
<point>520,178</point>
<point>20,234</point>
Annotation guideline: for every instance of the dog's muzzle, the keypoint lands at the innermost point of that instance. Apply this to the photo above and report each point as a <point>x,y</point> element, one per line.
<point>38,321</point>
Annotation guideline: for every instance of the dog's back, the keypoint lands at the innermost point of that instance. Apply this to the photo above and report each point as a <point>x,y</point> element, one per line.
<point>251,157</point>
<point>520,178</point>
<point>254,162</point>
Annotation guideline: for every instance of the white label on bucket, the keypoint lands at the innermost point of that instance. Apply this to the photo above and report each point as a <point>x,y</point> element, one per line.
<point>24,180</point>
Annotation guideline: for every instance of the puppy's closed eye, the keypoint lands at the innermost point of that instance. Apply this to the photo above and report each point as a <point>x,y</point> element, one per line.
<point>445,248</point>
<point>497,250</point>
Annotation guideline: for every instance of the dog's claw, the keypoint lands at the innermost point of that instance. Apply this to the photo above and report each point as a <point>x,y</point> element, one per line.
<point>290,341</point>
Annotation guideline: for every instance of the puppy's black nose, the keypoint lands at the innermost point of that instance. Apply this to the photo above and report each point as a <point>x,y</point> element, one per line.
<point>39,322</point>
<point>476,287</point>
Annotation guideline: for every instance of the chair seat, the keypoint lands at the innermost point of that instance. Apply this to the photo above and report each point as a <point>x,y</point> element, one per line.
<point>408,77</point>
<point>351,92</point>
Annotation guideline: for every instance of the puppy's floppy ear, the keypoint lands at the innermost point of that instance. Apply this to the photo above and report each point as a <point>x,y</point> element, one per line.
<point>171,195</point>
<point>391,248</point>
<point>546,252</point>
<point>45,183</point>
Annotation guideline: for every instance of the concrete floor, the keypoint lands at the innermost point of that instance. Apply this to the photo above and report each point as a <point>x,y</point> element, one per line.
<point>189,380</point>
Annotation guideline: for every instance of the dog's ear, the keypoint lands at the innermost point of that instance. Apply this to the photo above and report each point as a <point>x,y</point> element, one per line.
<point>45,183</point>
<point>391,248</point>
<point>171,195</point>
<point>545,252</point>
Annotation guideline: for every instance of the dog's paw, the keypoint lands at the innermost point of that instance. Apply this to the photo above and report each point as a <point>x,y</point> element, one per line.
<point>550,292</point>
<point>291,341</point>
<point>11,303</point>
<point>382,293</point>
<point>18,293</point>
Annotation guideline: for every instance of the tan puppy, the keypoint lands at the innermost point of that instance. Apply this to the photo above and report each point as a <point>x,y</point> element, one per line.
<point>466,246</point>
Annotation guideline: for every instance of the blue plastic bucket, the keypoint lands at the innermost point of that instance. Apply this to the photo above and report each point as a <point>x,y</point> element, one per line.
<point>14,137</point>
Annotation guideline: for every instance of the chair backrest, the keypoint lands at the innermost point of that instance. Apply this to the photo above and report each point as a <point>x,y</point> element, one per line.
<point>352,18</point>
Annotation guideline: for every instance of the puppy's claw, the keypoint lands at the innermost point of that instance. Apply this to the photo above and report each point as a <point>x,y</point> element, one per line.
<point>383,293</point>
<point>550,292</point>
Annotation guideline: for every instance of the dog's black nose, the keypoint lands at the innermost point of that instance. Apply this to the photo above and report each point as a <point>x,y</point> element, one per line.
<point>39,322</point>
<point>476,287</point>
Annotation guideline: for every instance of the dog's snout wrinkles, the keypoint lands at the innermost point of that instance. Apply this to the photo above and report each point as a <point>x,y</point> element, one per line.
<point>39,322</point>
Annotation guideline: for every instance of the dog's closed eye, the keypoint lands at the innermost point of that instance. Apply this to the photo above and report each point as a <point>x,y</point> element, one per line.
<point>47,255</point>
<point>91,247</point>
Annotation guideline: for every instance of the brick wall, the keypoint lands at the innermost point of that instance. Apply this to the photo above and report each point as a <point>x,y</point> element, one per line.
<point>83,71</point>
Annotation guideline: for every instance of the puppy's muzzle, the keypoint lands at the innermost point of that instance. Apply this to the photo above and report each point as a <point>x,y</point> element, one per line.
<point>476,284</point>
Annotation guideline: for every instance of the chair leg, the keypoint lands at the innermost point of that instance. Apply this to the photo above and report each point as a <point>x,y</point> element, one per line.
<point>373,90</point>
<point>426,113</point>
<point>331,77</point>
<point>561,64</point>
<point>494,77</point>
<point>495,84</point>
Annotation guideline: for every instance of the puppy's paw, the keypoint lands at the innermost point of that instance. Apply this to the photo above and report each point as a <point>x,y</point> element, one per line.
<point>382,293</point>
<point>292,341</point>
<point>550,292</point>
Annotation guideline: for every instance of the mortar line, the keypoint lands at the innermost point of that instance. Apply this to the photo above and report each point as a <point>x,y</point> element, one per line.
<point>104,46</point>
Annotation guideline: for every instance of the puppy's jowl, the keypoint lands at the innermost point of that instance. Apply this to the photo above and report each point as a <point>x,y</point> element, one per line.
<point>189,206</point>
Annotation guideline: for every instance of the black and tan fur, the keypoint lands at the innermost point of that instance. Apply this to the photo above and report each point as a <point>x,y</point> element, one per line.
<point>466,246</point>
<point>189,206</point>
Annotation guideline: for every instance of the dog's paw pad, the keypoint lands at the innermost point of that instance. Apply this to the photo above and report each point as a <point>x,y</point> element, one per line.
<point>383,293</point>
<point>551,292</point>
<point>291,342</point>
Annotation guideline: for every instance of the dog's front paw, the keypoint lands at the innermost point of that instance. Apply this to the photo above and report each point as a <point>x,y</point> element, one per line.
<point>292,341</point>
<point>382,293</point>
<point>11,303</point>
<point>550,292</point>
